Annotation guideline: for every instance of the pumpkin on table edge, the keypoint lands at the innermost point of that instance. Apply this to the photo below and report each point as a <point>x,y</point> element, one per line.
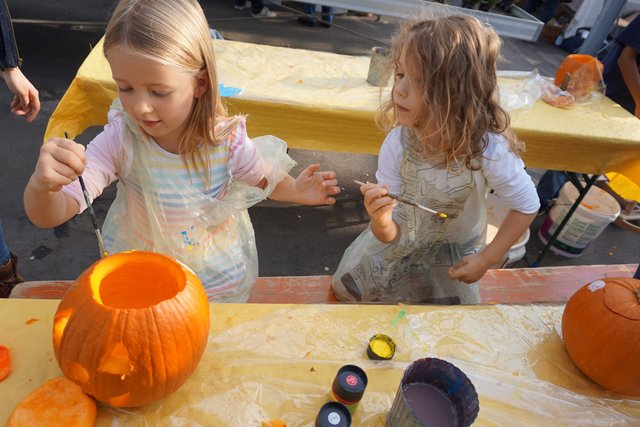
<point>132,328</point>
<point>601,331</point>
<point>579,74</point>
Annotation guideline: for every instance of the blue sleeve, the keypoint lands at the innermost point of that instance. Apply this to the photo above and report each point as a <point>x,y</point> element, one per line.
<point>630,36</point>
<point>8,50</point>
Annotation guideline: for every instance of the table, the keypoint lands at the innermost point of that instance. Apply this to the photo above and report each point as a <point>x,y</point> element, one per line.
<point>277,361</point>
<point>321,101</point>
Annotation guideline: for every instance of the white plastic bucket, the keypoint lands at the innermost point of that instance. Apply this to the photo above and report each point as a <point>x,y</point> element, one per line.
<point>497,210</point>
<point>597,210</point>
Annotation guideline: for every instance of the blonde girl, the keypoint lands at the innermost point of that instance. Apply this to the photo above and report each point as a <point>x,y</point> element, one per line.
<point>186,171</point>
<point>448,143</point>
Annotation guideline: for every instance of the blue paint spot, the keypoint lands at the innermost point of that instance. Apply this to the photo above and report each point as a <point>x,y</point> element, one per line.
<point>228,91</point>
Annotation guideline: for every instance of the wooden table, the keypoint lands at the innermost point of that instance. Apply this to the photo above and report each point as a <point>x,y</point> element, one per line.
<point>277,361</point>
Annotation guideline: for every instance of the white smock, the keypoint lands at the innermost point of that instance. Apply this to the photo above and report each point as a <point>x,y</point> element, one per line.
<point>414,267</point>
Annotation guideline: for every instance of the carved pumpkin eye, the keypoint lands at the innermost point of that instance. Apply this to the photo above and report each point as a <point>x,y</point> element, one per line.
<point>600,327</point>
<point>132,328</point>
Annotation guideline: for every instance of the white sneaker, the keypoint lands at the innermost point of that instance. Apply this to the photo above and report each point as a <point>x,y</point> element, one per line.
<point>247,5</point>
<point>265,13</point>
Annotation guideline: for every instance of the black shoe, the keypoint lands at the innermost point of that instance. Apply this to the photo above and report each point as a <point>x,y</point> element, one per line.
<point>9,276</point>
<point>305,20</point>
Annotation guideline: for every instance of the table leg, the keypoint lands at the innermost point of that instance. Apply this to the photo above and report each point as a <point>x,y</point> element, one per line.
<point>582,192</point>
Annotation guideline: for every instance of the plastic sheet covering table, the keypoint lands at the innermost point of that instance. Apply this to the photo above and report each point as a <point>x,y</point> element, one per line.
<point>267,361</point>
<point>321,101</point>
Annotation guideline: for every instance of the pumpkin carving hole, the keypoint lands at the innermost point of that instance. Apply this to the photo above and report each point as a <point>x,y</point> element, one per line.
<point>77,373</point>
<point>137,283</point>
<point>116,361</point>
<point>60,324</point>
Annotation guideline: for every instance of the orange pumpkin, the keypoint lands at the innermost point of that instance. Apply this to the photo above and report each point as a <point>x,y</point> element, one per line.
<point>579,74</point>
<point>601,331</point>
<point>132,328</point>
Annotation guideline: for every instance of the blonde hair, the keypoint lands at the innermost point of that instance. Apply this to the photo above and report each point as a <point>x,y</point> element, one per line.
<point>176,33</point>
<point>454,60</point>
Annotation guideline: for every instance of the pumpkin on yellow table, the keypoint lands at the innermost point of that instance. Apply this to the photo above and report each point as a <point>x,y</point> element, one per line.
<point>601,331</point>
<point>580,75</point>
<point>132,328</point>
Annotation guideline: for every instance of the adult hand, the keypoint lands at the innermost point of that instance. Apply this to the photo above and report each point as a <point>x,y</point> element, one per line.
<point>470,269</point>
<point>26,101</point>
<point>61,161</point>
<point>315,187</point>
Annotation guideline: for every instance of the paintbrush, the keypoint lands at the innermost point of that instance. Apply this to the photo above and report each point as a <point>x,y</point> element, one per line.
<point>411,203</point>
<point>92,214</point>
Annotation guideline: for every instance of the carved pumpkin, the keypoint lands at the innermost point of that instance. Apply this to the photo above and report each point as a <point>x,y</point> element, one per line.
<point>601,331</point>
<point>132,328</point>
<point>579,74</point>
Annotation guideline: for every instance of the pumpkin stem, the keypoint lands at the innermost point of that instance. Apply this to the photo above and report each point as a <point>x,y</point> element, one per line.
<point>636,291</point>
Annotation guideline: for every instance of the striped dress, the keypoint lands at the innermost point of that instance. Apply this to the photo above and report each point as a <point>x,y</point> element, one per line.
<point>164,207</point>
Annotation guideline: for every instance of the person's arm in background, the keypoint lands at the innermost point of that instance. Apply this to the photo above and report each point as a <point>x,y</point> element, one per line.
<point>26,101</point>
<point>631,74</point>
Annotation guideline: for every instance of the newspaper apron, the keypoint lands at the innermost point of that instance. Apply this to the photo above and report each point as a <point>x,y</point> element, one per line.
<point>170,214</point>
<point>414,268</point>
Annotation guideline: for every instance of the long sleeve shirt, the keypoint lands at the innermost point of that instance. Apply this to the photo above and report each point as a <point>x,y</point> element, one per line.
<point>9,57</point>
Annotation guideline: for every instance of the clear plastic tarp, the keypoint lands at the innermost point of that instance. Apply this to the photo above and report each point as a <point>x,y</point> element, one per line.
<point>278,361</point>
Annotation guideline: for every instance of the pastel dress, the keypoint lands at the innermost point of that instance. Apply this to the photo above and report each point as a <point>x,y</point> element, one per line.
<point>414,267</point>
<point>163,206</point>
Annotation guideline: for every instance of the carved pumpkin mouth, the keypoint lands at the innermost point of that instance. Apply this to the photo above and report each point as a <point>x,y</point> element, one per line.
<point>120,283</point>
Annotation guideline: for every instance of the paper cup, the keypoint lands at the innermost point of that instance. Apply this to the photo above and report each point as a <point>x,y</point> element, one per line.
<point>380,66</point>
<point>433,392</point>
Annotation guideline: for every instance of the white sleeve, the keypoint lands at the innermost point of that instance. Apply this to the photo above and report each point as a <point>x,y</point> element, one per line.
<point>506,175</point>
<point>389,161</point>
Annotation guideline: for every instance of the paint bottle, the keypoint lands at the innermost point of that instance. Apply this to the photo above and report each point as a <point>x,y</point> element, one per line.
<point>381,347</point>
<point>333,414</point>
<point>348,386</point>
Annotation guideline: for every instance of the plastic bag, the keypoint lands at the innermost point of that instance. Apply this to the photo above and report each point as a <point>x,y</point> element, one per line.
<point>173,212</point>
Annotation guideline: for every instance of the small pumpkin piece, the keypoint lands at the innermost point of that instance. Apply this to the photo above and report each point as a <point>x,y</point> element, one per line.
<point>58,402</point>
<point>273,423</point>
<point>5,362</point>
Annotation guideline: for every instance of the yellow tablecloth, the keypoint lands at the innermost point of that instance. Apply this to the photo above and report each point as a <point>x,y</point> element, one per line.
<point>278,361</point>
<point>321,101</point>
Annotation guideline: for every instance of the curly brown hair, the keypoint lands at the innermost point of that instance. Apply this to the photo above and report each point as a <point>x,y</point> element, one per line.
<point>454,61</point>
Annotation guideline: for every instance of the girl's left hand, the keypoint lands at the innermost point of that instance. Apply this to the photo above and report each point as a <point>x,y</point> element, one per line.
<point>315,187</point>
<point>470,269</point>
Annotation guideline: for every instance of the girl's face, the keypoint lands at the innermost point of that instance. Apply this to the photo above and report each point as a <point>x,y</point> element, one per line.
<point>158,97</point>
<point>406,92</point>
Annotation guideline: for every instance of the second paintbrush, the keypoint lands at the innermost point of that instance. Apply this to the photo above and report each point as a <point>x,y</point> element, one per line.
<point>411,203</point>
<point>92,214</point>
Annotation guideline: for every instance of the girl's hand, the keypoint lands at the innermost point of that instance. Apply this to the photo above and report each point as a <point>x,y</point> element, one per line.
<point>61,161</point>
<point>470,269</point>
<point>314,187</point>
<point>378,206</point>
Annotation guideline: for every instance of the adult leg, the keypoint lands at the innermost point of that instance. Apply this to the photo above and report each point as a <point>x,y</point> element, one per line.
<point>4,250</point>
<point>530,5</point>
<point>548,10</point>
<point>259,10</point>
<point>309,9</point>
<point>549,187</point>
<point>327,15</point>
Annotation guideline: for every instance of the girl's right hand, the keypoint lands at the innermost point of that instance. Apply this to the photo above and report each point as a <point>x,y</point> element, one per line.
<point>61,161</point>
<point>378,206</point>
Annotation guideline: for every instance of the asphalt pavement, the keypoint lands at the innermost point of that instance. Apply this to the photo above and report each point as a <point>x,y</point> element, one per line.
<point>55,37</point>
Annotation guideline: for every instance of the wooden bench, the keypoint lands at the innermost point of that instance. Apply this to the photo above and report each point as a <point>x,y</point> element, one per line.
<point>503,286</point>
